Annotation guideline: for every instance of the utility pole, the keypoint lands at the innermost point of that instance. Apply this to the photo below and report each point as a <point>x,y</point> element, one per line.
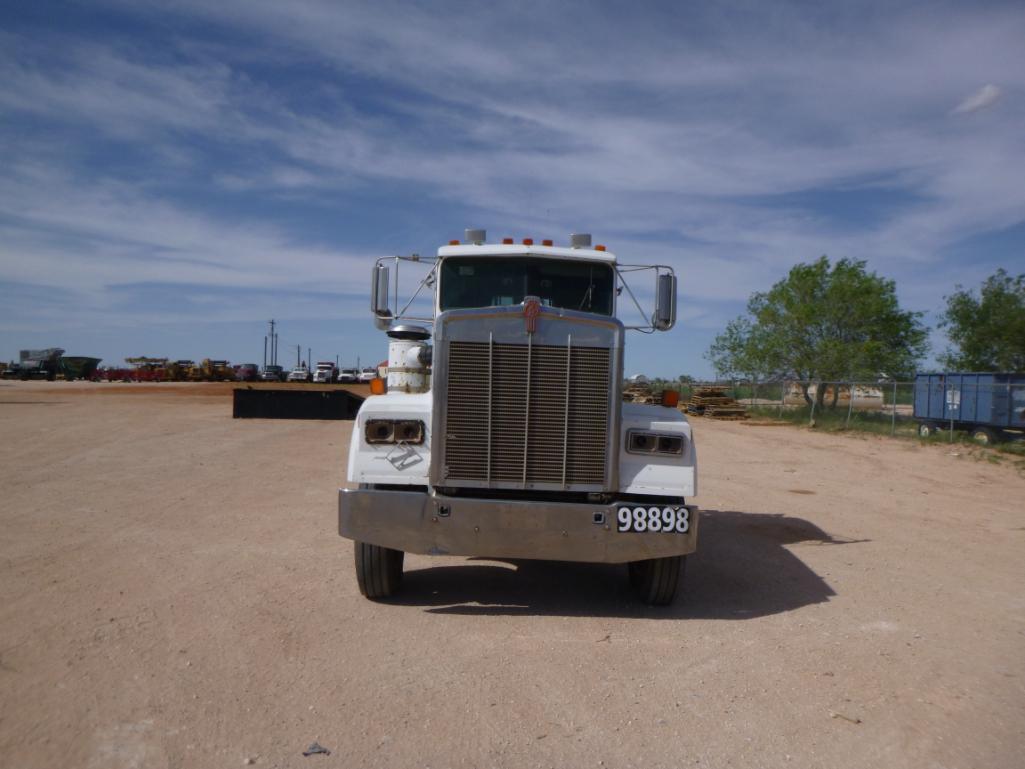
<point>273,346</point>
<point>309,358</point>
<point>265,351</point>
<point>298,355</point>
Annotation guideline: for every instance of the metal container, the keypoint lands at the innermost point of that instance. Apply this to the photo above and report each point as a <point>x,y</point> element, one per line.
<point>79,366</point>
<point>971,399</point>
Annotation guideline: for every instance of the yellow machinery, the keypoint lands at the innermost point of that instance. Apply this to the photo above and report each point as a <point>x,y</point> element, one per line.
<point>179,370</point>
<point>212,371</point>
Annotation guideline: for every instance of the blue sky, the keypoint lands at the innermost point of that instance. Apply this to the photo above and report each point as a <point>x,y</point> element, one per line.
<point>177,173</point>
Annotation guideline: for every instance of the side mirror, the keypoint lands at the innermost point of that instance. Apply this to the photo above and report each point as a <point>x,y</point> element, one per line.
<point>379,300</point>
<point>665,302</point>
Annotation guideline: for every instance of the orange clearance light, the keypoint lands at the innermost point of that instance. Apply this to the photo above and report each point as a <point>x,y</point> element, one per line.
<point>378,386</point>
<point>528,241</point>
<point>453,242</point>
<point>671,398</point>
<point>599,248</point>
<point>507,241</point>
<point>546,242</point>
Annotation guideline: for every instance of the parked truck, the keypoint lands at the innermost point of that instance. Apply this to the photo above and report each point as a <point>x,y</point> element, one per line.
<point>508,437</point>
<point>326,372</point>
<point>989,406</point>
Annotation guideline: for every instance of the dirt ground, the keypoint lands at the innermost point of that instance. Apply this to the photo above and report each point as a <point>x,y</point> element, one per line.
<point>173,593</point>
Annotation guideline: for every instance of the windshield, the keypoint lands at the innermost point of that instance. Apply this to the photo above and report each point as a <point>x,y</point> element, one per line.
<point>497,282</point>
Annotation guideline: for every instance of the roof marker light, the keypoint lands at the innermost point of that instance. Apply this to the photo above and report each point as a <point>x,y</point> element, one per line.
<point>546,242</point>
<point>507,241</point>
<point>528,241</point>
<point>453,242</point>
<point>599,248</point>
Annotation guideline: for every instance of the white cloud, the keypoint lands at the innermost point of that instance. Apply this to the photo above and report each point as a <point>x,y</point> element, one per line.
<point>985,97</point>
<point>85,237</point>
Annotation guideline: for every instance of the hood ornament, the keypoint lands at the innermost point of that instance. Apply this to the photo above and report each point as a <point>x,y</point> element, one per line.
<point>531,312</point>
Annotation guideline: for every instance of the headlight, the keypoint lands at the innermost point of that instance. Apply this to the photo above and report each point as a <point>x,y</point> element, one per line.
<point>642,442</point>
<point>394,431</point>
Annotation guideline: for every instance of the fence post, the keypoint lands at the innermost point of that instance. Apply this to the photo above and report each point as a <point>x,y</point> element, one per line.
<point>951,410</point>
<point>893,418</point>
<point>814,401</point>
<point>782,396</point>
<point>850,405</point>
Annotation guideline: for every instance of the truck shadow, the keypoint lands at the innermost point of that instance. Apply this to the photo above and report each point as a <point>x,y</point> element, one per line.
<point>741,570</point>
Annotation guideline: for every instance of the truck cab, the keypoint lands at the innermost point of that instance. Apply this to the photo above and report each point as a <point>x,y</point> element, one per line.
<point>508,436</point>
<point>299,374</point>
<point>325,373</point>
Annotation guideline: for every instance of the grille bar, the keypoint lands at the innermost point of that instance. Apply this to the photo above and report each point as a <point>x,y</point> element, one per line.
<point>491,356</point>
<point>565,421</point>
<point>546,420</point>
<point>526,420</point>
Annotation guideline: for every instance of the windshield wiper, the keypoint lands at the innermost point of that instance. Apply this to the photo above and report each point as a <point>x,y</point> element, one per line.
<point>587,298</point>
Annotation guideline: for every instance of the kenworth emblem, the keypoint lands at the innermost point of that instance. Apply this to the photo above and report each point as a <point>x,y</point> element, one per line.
<point>531,310</point>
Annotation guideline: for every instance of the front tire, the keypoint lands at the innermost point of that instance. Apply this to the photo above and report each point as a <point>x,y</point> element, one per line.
<point>927,429</point>
<point>378,570</point>
<point>655,581</point>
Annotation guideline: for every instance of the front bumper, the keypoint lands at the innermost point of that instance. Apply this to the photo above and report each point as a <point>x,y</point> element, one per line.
<point>417,522</point>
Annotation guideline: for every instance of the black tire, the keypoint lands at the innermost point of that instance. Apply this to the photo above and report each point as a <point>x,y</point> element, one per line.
<point>655,581</point>
<point>927,429</point>
<point>985,436</point>
<point>378,570</point>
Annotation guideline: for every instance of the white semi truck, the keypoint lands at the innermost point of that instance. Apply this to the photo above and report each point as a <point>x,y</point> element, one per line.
<point>508,437</point>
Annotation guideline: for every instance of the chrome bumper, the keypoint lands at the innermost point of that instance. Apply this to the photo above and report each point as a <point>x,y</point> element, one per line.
<point>416,522</point>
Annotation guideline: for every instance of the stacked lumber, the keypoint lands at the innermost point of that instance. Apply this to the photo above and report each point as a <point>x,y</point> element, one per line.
<point>713,402</point>
<point>638,392</point>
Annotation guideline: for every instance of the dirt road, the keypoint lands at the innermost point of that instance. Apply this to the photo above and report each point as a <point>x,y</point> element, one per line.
<point>173,594</point>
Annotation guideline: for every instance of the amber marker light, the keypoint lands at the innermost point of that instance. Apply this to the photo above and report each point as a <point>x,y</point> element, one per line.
<point>671,398</point>
<point>528,241</point>
<point>453,242</point>
<point>546,242</point>
<point>507,241</point>
<point>378,386</point>
<point>599,248</point>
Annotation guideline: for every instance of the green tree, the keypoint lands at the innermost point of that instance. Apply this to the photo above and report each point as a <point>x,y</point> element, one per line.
<point>823,323</point>
<point>988,332</point>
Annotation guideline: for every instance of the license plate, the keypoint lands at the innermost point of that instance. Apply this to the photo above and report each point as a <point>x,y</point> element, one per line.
<point>665,520</point>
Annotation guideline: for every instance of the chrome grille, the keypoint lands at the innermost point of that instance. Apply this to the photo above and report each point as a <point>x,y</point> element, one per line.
<point>527,414</point>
